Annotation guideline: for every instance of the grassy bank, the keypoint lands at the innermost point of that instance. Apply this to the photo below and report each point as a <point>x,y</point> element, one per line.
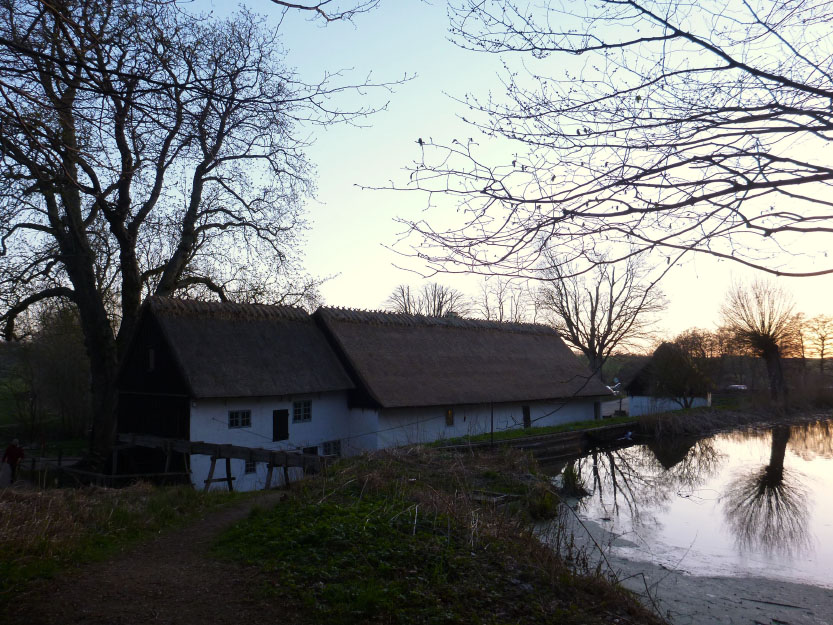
<point>422,535</point>
<point>704,421</point>
<point>45,531</point>
<point>519,433</point>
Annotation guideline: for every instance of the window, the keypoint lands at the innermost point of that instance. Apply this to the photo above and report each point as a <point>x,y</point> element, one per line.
<point>331,448</point>
<point>240,418</point>
<point>301,411</point>
<point>449,417</point>
<point>251,466</point>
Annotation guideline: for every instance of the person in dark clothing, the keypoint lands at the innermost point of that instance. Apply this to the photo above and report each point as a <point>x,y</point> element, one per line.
<point>14,456</point>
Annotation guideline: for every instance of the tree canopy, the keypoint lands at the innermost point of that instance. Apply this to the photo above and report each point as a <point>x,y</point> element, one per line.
<point>610,308</point>
<point>760,316</point>
<point>145,150</point>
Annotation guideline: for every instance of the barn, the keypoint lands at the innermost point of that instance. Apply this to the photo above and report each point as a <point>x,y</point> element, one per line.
<point>336,382</point>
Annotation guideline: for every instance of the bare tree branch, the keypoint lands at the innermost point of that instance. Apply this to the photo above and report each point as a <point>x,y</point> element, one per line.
<point>667,128</point>
<point>323,8</point>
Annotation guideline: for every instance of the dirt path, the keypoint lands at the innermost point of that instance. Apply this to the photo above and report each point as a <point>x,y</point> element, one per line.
<point>167,581</point>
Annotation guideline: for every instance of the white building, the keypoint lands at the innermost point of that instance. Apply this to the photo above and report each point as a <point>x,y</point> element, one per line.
<point>337,382</point>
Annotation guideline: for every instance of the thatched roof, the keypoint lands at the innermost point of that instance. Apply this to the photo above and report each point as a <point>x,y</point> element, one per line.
<point>245,350</point>
<point>411,360</point>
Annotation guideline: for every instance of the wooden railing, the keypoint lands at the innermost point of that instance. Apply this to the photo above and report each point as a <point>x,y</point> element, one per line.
<point>273,458</point>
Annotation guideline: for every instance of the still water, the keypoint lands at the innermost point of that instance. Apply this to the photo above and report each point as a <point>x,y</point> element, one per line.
<point>756,502</point>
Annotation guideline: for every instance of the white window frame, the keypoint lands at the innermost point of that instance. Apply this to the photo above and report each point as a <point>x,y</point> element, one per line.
<point>302,411</point>
<point>239,419</point>
<point>249,467</point>
<point>331,448</point>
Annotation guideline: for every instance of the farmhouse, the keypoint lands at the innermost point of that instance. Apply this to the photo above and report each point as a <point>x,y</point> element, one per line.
<point>337,382</point>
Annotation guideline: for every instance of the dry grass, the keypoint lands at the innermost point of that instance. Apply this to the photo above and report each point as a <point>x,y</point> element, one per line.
<point>43,531</point>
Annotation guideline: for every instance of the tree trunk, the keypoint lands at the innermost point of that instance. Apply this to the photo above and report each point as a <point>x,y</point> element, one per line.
<point>777,387</point>
<point>595,363</point>
<point>100,344</point>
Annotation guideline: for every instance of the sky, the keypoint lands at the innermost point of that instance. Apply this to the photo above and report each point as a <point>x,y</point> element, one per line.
<point>354,238</point>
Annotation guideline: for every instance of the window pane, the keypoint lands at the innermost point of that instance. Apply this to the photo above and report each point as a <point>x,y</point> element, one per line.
<point>302,410</point>
<point>240,418</point>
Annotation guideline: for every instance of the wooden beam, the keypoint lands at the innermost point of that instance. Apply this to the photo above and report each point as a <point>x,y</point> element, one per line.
<point>308,462</point>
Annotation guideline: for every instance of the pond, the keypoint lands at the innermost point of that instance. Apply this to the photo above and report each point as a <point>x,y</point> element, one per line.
<point>746,503</point>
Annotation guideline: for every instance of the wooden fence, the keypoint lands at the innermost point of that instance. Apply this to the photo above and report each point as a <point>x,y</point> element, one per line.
<point>274,459</point>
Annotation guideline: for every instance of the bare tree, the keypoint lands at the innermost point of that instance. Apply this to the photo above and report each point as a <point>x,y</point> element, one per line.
<point>609,308</point>
<point>653,124</point>
<point>146,151</point>
<point>819,331</point>
<point>432,300</point>
<point>501,299</point>
<point>760,316</point>
<point>699,344</point>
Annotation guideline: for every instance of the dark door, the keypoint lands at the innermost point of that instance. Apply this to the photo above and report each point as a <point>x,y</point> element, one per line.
<point>280,425</point>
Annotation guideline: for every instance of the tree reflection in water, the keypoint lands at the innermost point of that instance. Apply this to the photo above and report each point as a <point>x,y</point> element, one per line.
<point>644,478</point>
<point>767,509</point>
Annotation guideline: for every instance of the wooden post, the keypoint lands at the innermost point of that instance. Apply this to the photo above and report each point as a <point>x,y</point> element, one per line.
<point>167,457</point>
<point>228,474</point>
<point>492,428</point>
<point>210,473</point>
<point>269,476</point>
<point>286,476</point>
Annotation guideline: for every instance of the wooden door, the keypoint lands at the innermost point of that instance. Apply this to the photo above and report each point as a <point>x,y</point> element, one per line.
<point>280,425</point>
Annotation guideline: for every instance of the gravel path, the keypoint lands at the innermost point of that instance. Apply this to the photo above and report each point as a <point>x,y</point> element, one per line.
<point>166,581</point>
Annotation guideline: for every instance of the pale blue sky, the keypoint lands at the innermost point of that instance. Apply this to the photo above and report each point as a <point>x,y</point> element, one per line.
<point>352,229</point>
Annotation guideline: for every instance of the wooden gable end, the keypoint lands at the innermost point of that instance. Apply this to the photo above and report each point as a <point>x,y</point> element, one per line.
<point>150,366</point>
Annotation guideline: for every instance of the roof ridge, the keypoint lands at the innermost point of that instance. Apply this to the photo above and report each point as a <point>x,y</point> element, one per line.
<point>386,317</point>
<point>180,307</point>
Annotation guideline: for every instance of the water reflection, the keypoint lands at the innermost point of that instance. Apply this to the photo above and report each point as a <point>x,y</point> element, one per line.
<point>812,440</point>
<point>767,508</point>
<point>644,478</point>
<point>748,501</point>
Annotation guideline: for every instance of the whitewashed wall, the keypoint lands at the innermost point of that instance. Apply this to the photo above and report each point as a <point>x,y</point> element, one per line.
<point>643,404</point>
<point>358,430</point>
<point>209,422</point>
<point>402,426</point>
<point>364,425</point>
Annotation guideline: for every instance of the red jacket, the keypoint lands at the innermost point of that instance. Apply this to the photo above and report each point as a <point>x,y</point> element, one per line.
<point>13,455</point>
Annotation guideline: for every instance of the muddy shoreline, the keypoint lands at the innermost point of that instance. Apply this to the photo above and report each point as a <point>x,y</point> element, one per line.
<point>686,599</point>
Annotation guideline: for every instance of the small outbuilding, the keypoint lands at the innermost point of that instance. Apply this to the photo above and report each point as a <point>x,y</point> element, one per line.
<point>337,382</point>
<point>669,381</point>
